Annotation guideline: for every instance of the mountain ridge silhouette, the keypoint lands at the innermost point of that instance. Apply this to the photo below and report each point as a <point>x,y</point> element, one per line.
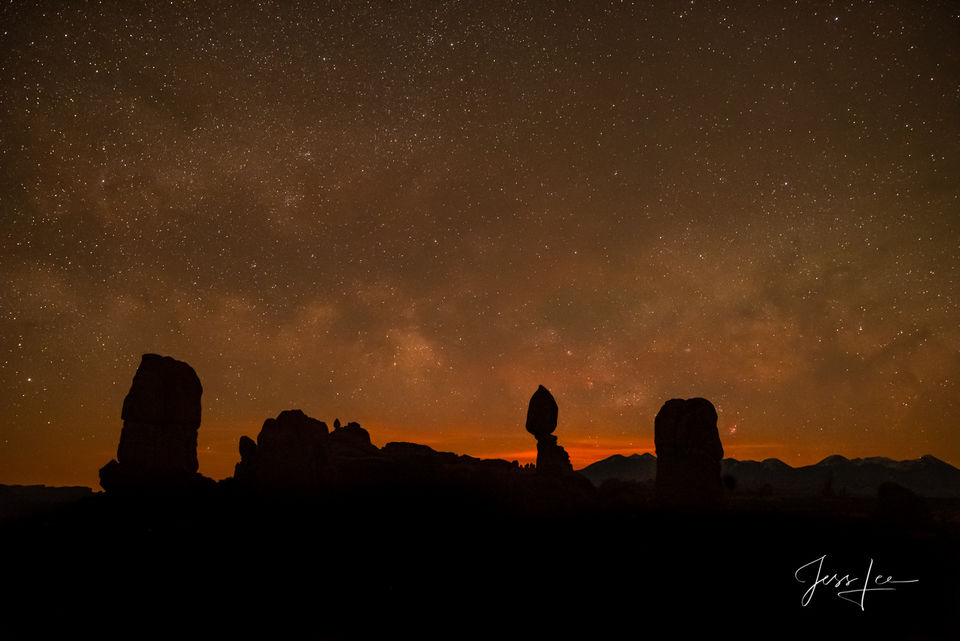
<point>927,475</point>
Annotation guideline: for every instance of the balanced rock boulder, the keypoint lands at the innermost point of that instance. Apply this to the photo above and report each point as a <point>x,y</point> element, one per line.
<point>542,415</point>
<point>689,452</point>
<point>161,417</point>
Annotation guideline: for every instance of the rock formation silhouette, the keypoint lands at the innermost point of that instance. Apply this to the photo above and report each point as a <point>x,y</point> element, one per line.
<point>351,441</point>
<point>541,422</point>
<point>161,417</point>
<point>295,457</point>
<point>688,453</point>
<point>245,472</point>
<point>291,455</point>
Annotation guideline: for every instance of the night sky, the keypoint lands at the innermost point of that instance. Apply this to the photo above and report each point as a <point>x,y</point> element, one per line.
<point>412,214</point>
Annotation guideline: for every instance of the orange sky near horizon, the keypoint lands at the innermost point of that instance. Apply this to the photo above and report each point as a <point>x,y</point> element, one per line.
<point>217,451</point>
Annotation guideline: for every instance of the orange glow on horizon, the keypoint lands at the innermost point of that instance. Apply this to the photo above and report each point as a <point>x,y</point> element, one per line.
<point>217,448</point>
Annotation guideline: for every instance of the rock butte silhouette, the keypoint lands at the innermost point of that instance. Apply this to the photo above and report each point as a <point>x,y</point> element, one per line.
<point>158,442</point>
<point>290,454</point>
<point>688,452</point>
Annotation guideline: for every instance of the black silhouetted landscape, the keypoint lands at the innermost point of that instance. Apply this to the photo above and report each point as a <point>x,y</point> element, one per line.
<point>319,533</point>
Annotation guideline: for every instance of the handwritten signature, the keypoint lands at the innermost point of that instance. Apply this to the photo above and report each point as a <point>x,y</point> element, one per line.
<point>856,595</point>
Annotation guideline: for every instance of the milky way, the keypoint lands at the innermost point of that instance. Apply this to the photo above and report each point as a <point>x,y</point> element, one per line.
<point>410,215</point>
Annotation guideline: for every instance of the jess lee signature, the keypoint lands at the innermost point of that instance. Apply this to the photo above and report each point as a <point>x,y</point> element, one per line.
<point>814,573</point>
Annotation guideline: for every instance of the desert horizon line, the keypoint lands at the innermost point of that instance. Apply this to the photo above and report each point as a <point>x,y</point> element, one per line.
<point>218,462</point>
<point>583,454</point>
<point>217,438</point>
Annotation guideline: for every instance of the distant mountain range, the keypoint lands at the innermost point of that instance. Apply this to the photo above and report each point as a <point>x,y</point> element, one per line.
<point>927,476</point>
<point>18,501</point>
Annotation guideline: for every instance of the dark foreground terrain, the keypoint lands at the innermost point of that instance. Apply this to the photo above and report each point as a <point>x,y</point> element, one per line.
<point>321,534</point>
<point>429,561</point>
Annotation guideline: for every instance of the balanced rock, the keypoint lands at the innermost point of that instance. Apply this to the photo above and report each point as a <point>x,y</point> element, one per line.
<point>541,422</point>
<point>542,413</point>
<point>161,417</point>
<point>688,452</point>
<point>291,454</point>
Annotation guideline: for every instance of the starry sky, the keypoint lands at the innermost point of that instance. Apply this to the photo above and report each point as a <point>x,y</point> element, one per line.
<point>411,214</point>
